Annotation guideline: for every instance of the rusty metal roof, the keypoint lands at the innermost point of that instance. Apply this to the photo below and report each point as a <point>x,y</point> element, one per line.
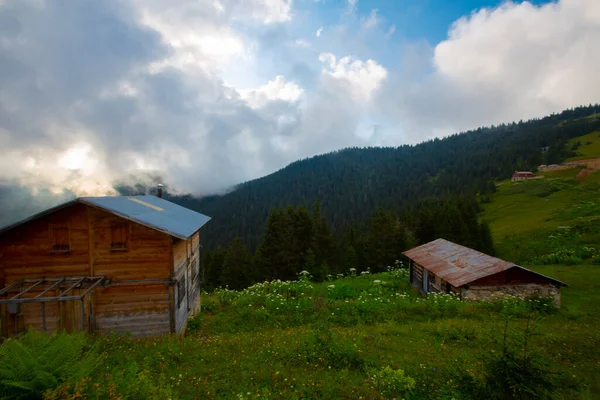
<point>458,264</point>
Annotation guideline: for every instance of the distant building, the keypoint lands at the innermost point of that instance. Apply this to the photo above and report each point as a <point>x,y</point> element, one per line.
<point>445,267</point>
<point>522,175</point>
<point>100,264</point>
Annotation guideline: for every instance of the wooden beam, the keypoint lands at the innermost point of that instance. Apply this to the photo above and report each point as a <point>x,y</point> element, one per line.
<point>39,282</point>
<point>99,281</point>
<point>50,288</point>
<point>71,287</point>
<point>11,286</point>
<point>90,241</point>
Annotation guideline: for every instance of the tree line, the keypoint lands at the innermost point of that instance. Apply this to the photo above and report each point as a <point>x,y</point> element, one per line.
<point>351,183</point>
<point>296,239</point>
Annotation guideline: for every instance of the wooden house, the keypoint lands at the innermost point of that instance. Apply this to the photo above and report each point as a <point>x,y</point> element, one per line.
<point>444,267</point>
<point>100,264</point>
<point>522,176</point>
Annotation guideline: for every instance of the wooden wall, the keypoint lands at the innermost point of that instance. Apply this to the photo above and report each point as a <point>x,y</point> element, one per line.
<point>434,283</point>
<point>27,248</point>
<point>139,307</point>
<point>26,254</point>
<point>186,262</point>
<point>416,275</point>
<point>136,307</point>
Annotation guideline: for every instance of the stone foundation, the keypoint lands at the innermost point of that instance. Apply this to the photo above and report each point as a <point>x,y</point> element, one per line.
<point>523,291</point>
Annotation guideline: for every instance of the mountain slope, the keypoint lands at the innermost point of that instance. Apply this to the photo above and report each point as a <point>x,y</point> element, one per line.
<point>350,183</point>
<point>554,220</point>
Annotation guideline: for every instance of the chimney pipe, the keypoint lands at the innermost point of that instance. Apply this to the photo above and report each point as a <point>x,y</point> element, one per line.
<point>159,190</point>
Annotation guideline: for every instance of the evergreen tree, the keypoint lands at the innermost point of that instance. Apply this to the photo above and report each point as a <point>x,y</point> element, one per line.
<point>274,255</point>
<point>383,243</point>
<point>324,242</point>
<point>214,264</point>
<point>237,271</point>
<point>486,242</point>
<point>349,259</point>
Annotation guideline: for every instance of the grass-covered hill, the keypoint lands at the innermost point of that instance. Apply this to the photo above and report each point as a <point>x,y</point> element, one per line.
<point>554,220</point>
<point>365,335</point>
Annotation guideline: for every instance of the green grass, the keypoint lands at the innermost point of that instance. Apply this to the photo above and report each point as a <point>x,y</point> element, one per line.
<point>590,146</point>
<point>257,344</point>
<point>546,219</point>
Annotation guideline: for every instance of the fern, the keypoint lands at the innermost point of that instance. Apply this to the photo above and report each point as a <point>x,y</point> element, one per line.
<point>36,362</point>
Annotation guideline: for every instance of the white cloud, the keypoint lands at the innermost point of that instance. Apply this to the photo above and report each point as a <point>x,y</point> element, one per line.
<point>197,41</point>
<point>351,6</point>
<point>277,89</point>
<point>516,61</point>
<point>301,43</point>
<point>390,31</point>
<point>268,11</point>
<point>360,78</point>
<point>319,31</point>
<point>372,20</point>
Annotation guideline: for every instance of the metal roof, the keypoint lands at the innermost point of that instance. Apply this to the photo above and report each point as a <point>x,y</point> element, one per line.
<point>151,211</point>
<point>458,264</point>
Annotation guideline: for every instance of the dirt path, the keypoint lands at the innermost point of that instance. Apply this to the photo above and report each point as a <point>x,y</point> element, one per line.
<point>593,164</point>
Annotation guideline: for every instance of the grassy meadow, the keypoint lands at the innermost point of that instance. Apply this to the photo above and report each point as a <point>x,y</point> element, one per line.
<point>589,146</point>
<point>554,220</point>
<point>362,335</point>
<point>367,336</point>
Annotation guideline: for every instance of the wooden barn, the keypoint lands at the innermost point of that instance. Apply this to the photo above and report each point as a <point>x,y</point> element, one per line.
<point>444,267</point>
<point>100,264</point>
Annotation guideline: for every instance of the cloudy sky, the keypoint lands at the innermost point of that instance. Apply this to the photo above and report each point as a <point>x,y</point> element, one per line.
<point>210,93</point>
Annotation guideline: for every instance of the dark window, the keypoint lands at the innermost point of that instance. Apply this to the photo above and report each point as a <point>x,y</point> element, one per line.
<point>59,236</point>
<point>180,290</point>
<point>119,236</point>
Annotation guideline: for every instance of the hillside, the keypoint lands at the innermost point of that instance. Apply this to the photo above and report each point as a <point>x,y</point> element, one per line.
<point>358,336</point>
<point>557,216</point>
<point>350,183</point>
<point>369,335</point>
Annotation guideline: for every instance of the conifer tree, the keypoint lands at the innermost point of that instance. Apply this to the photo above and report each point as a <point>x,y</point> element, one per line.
<point>486,241</point>
<point>237,271</point>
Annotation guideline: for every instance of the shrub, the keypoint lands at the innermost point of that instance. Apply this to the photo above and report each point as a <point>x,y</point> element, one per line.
<point>194,324</point>
<point>560,256</point>
<point>455,333</point>
<point>35,362</point>
<point>391,382</point>
<point>322,347</point>
<point>513,370</point>
<point>127,381</point>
